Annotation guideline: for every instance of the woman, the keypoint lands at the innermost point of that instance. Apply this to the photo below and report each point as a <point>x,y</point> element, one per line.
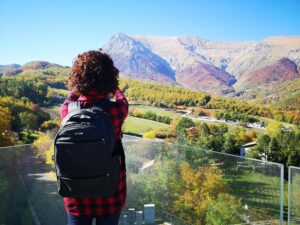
<point>93,78</point>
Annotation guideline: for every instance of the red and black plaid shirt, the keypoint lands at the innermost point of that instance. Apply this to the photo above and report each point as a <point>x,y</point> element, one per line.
<point>100,207</point>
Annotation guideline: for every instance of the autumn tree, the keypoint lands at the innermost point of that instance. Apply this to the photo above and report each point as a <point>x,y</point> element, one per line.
<point>6,137</point>
<point>200,187</point>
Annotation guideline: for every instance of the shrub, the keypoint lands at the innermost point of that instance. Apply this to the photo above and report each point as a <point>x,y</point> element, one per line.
<point>149,134</point>
<point>225,210</point>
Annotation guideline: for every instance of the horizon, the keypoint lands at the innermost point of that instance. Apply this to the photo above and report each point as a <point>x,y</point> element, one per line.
<point>57,31</point>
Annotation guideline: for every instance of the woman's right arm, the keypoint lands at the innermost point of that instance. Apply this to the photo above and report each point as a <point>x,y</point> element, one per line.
<point>122,103</point>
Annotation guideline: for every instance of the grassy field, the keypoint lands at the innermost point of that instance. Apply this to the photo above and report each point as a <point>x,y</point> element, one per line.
<point>139,126</point>
<point>267,120</point>
<point>132,125</point>
<point>257,190</point>
<point>159,111</point>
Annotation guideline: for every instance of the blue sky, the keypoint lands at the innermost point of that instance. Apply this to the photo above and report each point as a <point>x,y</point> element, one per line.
<point>57,30</point>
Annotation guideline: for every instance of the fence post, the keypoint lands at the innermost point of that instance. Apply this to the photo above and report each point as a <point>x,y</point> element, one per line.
<point>281,193</point>
<point>289,196</point>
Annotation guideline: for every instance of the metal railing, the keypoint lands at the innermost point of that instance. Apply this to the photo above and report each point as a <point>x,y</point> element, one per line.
<point>294,196</point>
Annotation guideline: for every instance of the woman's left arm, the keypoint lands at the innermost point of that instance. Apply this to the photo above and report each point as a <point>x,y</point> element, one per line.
<point>72,97</point>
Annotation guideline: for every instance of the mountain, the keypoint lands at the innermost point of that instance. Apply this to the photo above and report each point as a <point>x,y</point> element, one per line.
<point>8,67</point>
<point>213,66</point>
<point>134,60</point>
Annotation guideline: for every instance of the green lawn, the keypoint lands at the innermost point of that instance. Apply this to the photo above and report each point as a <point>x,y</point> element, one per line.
<point>268,120</point>
<point>159,111</point>
<point>257,190</point>
<point>132,125</point>
<point>139,126</point>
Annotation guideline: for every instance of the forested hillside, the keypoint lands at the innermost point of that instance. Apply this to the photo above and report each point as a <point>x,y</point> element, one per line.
<point>26,90</point>
<point>167,96</point>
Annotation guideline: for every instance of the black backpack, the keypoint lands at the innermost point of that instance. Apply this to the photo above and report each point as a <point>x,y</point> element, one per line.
<point>85,162</point>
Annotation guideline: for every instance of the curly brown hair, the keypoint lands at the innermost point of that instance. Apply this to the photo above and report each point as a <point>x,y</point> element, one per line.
<point>93,71</point>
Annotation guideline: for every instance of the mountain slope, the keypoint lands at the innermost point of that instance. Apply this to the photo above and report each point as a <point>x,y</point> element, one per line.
<point>134,60</point>
<point>261,55</point>
<point>206,77</point>
<point>281,71</point>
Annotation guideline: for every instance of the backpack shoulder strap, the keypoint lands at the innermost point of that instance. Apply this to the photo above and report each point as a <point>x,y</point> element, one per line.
<point>103,104</point>
<point>72,106</point>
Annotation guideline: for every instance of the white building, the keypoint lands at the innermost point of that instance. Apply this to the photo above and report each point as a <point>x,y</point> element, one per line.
<point>244,148</point>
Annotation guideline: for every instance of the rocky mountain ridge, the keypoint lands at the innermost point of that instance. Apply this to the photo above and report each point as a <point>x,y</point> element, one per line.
<point>213,66</point>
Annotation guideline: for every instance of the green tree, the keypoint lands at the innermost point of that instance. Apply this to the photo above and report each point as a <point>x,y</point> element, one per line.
<point>183,124</point>
<point>28,120</point>
<point>274,151</point>
<point>274,129</point>
<point>255,153</point>
<point>204,129</point>
<point>230,145</point>
<point>225,210</point>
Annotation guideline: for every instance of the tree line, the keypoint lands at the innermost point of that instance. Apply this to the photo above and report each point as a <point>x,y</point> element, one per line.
<point>149,115</point>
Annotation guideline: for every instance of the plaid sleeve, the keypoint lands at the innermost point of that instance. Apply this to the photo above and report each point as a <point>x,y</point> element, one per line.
<point>64,107</point>
<point>122,105</point>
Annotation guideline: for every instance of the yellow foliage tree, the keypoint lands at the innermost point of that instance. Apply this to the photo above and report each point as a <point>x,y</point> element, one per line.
<point>201,186</point>
<point>6,136</point>
<point>274,129</point>
<point>44,148</point>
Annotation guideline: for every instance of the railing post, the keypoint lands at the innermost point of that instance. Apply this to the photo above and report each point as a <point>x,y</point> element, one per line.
<point>281,193</point>
<point>289,196</point>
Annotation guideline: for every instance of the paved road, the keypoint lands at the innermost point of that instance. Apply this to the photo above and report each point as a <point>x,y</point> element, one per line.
<point>211,119</point>
<point>41,188</point>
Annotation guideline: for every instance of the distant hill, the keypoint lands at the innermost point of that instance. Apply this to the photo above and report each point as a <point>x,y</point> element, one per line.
<point>10,66</point>
<point>35,65</point>
<point>15,69</point>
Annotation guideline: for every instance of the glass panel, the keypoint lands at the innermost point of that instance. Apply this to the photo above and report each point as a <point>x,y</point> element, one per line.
<point>167,183</point>
<point>28,187</point>
<point>294,195</point>
<point>195,185</point>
